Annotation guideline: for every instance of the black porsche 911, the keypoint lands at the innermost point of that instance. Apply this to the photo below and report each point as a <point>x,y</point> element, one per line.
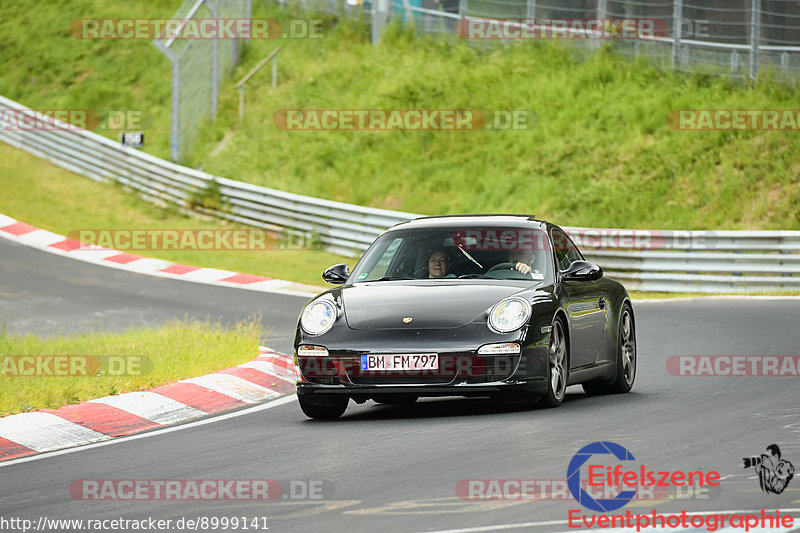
<point>502,306</point>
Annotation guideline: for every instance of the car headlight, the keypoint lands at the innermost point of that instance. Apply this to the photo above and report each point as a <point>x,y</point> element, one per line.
<point>318,317</point>
<point>510,314</point>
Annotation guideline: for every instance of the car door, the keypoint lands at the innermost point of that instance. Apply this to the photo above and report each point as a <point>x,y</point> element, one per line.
<point>584,305</point>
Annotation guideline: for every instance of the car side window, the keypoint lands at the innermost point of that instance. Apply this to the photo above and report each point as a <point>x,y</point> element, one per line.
<point>381,266</point>
<point>566,251</point>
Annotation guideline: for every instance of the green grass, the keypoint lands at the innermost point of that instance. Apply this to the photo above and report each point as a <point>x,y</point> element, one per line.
<point>173,351</point>
<point>49,197</point>
<point>600,153</point>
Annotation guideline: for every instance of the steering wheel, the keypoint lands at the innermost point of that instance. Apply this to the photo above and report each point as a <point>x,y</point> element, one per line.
<point>502,266</point>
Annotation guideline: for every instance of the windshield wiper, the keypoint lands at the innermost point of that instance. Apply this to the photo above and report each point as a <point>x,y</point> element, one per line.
<point>389,278</point>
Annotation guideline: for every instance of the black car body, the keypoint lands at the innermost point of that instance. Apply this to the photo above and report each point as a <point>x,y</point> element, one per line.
<point>490,327</point>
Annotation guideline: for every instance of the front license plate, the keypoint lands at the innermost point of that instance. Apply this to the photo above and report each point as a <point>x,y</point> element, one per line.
<point>406,361</point>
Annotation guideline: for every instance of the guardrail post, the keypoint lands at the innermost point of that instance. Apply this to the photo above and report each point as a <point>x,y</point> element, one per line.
<point>755,37</point>
<point>677,29</point>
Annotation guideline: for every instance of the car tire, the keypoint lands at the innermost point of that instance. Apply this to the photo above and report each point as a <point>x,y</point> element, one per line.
<point>625,373</point>
<point>557,366</point>
<point>323,408</point>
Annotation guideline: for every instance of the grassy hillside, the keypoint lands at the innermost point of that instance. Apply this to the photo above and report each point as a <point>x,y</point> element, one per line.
<point>600,152</point>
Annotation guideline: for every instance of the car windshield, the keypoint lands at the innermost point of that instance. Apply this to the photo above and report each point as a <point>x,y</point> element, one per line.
<point>457,253</point>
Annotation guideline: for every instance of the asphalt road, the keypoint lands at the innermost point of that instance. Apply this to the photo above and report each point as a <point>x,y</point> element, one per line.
<point>45,294</point>
<point>393,468</point>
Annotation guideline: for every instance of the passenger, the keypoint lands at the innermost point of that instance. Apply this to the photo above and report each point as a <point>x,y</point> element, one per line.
<point>438,263</point>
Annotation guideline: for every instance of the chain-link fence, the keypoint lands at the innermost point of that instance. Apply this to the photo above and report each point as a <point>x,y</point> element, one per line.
<point>737,38</point>
<point>198,65</point>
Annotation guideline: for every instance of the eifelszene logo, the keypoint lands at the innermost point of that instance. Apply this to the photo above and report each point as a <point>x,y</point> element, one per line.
<point>774,473</point>
<point>600,474</point>
<point>574,476</point>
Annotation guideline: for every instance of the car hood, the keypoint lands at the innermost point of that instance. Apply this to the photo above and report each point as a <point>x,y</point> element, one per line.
<point>435,304</point>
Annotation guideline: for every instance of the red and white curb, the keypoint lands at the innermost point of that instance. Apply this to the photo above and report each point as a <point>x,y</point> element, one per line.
<point>266,377</point>
<point>26,234</point>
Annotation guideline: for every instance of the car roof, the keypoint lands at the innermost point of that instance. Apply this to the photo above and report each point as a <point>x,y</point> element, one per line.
<point>448,221</point>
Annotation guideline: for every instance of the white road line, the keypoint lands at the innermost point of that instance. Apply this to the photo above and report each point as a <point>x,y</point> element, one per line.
<point>233,386</point>
<point>155,433</point>
<point>45,431</point>
<point>151,406</point>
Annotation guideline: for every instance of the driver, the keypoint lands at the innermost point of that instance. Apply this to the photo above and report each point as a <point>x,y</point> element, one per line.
<point>522,260</point>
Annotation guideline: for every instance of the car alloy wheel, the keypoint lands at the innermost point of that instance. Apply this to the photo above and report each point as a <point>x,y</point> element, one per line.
<point>558,366</point>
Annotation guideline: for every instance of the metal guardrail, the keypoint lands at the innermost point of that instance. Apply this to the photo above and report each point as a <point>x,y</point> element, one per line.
<point>697,261</point>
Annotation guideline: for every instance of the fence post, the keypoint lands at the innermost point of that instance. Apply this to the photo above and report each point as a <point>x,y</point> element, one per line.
<point>380,12</point>
<point>462,8</point>
<point>755,37</point>
<point>677,29</point>
<point>174,126</point>
<point>530,12</point>
<point>214,64</point>
<point>601,15</point>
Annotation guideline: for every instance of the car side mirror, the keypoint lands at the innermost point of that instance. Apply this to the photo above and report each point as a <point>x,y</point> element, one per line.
<point>582,271</point>
<point>337,274</point>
